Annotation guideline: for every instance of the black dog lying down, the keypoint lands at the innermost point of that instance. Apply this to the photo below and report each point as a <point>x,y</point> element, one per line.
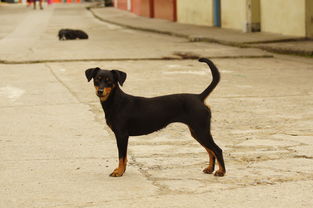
<point>69,34</point>
<point>129,115</point>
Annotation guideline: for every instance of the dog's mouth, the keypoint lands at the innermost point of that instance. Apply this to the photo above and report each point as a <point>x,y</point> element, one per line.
<point>104,93</point>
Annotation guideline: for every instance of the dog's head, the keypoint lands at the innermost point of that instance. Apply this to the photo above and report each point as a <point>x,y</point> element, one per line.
<point>105,81</point>
<point>61,34</point>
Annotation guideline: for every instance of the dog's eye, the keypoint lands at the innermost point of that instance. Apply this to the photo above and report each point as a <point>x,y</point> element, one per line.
<point>107,79</point>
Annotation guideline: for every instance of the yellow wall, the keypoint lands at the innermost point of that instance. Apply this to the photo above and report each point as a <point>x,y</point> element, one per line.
<point>233,14</point>
<point>287,17</point>
<point>283,16</point>
<point>199,12</point>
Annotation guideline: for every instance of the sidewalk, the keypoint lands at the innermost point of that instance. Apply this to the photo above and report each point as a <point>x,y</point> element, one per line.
<point>266,41</point>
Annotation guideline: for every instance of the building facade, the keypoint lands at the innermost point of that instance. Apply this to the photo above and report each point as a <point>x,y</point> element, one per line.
<point>286,17</point>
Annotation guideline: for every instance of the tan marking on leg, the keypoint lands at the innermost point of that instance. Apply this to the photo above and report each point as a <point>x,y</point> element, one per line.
<point>120,170</point>
<point>210,168</point>
<point>221,171</point>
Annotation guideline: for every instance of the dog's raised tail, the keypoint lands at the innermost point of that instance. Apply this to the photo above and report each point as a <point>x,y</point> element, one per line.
<point>215,81</point>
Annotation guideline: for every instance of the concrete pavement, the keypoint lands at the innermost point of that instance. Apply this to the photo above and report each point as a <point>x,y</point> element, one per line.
<point>103,47</point>
<point>56,150</point>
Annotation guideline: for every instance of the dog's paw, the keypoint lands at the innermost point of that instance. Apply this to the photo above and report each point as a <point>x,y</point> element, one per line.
<point>208,170</point>
<point>219,173</point>
<point>117,173</point>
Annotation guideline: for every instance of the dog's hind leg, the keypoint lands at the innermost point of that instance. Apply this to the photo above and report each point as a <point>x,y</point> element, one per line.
<point>216,151</point>
<point>210,168</point>
<point>122,142</point>
<point>205,138</point>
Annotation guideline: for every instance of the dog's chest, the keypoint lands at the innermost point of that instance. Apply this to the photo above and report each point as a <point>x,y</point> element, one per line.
<point>108,120</point>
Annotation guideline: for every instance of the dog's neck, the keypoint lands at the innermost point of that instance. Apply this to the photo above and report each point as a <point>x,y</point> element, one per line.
<point>113,100</point>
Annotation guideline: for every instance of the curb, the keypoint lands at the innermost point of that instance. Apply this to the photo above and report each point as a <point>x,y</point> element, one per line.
<point>134,27</point>
<point>287,51</point>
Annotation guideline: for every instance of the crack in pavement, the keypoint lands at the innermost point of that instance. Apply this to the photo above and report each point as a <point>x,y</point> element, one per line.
<point>63,84</point>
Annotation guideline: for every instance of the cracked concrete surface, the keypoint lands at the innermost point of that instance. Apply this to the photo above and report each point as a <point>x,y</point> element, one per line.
<point>56,151</point>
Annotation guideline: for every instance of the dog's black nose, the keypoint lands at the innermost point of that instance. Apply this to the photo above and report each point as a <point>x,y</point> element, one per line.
<point>100,91</point>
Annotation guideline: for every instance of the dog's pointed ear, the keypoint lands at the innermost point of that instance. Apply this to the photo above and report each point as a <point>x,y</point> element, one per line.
<point>119,76</point>
<point>91,73</point>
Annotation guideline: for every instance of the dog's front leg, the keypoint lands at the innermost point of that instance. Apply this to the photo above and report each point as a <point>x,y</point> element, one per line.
<point>122,142</point>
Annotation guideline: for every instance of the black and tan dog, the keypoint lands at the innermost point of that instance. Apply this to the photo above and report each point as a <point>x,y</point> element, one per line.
<point>129,115</point>
<point>70,34</point>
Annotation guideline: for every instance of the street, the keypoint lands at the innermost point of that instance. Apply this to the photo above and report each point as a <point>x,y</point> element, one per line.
<point>56,150</point>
